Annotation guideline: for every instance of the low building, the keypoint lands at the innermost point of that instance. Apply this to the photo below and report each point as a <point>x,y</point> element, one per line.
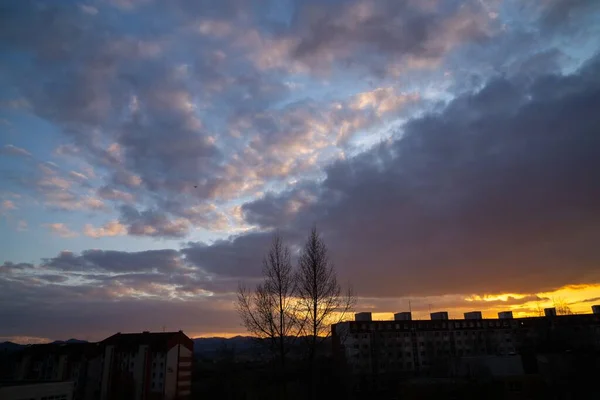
<point>36,390</point>
<point>147,366</point>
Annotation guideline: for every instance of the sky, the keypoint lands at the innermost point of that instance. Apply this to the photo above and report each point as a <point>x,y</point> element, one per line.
<point>448,152</point>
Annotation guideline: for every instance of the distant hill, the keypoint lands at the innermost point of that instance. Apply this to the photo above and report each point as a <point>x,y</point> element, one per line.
<point>210,346</point>
<point>10,347</point>
<point>69,341</point>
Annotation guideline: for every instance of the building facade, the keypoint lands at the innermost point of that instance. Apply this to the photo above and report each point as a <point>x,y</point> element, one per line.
<point>78,363</point>
<point>140,366</point>
<point>131,366</point>
<point>426,346</point>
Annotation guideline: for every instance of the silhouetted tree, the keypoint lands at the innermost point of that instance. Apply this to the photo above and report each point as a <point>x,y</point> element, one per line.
<point>270,311</point>
<point>562,307</point>
<point>320,296</point>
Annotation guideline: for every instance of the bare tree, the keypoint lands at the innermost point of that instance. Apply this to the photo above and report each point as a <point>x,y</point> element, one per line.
<point>539,310</point>
<point>270,311</point>
<point>320,296</point>
<point>562,306</point>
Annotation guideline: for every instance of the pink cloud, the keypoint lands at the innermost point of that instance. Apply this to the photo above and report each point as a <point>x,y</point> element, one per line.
<point>112,228</point>
<point>60,229</point>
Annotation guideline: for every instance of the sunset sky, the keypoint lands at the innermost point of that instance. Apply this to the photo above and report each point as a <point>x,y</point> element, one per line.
<point>448,151</point>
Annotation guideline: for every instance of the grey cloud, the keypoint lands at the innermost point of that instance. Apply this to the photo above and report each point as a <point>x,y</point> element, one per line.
<point>153,223</point>
<point>592,300</point>
<point>238,257</point>
<point>60,311</point>
<point>277,211</point>
<point>560,12</point>
<point>110,193</point>
<point>52,278</point>
<point>385,29</point>
<point>498,192</point>
<point>9,267</point>
<point>116,261</point>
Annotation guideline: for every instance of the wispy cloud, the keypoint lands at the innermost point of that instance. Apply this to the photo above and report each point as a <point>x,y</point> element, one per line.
<point>9,149</point>
<point>112,228</point>
<point>60,229</point>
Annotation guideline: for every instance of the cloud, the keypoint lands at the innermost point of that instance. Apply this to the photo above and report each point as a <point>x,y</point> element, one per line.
<point>109,193</point>
<point>239,257</point>
<point>112,228</point>
<point>497,191</point>
<point>153,223</point>
<point>87,9</point>
<point>116,261</point>
<point>22,226</point>
<point>390,32</point>
<point>59,310</point>
<point>9,149</point>
<point>9,267</point>
<point>61,230</point>
<point>8,205</point>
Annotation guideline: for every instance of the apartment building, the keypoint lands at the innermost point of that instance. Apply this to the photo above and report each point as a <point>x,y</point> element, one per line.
<point>78,363</point>
<point>423,346</point>
<point>146,365</point>
<point>131,366</point>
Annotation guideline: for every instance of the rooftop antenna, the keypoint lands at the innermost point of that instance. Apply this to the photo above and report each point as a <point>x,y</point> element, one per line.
<point>409,306</point>
<point>429,308</point>
<point>164,328</point>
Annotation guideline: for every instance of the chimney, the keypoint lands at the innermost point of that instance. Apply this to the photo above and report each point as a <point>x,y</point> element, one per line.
<point>440,315</point>
<point>550,312</point>
<point>473,315</point>
<point>146,332</point>
<point>403,316</point>
<point>505,315</point>
<point>596,309</point>
<point>362,316</point>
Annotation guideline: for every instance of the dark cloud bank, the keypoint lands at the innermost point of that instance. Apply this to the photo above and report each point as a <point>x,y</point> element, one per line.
<point>499,192</point>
